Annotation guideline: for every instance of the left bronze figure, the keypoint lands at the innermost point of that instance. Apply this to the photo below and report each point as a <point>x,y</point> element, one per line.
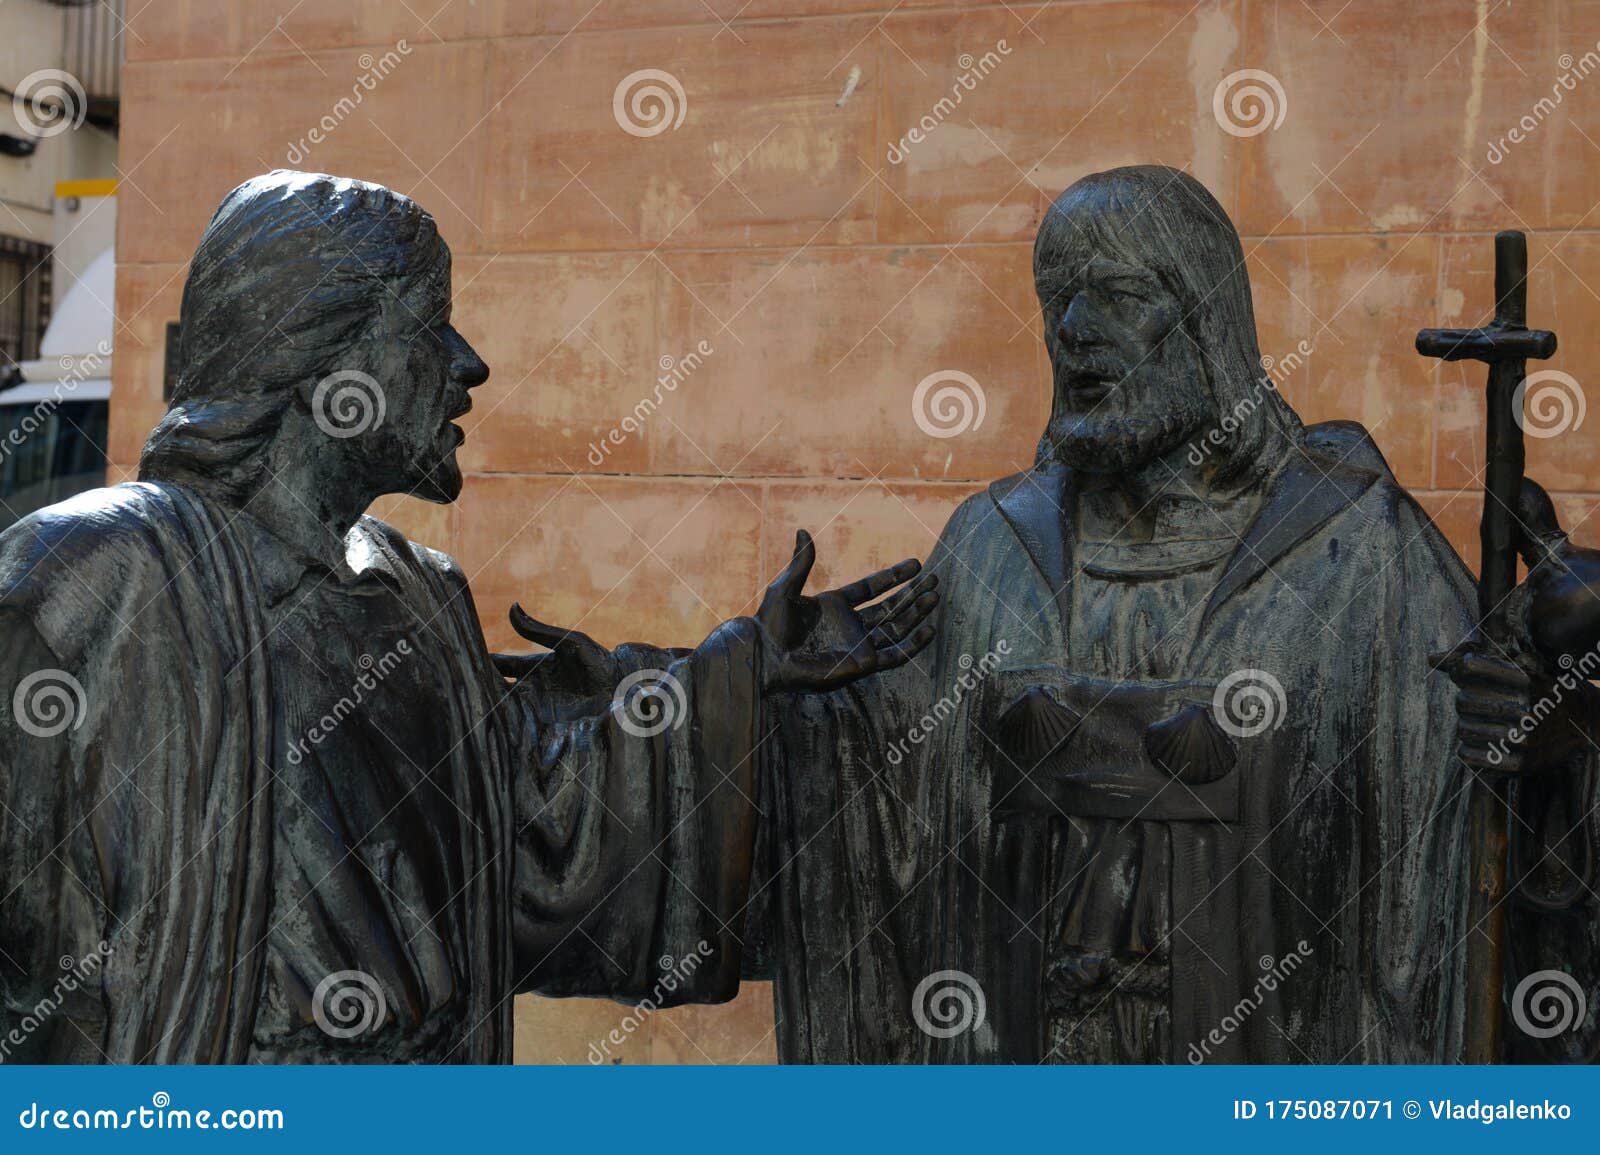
<point>265,795</point>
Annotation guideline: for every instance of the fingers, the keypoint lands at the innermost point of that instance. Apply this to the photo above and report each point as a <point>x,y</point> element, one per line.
<point>1485,732</point>
<point>877,584</point>
<point>792,581</point>
<point>829,671</point>
<point>890,606</point>
<point>899,624</point>
<point>1492,697</point>
<point>1490,760</point>
<point>1465,663</point>
<point>901,653</point>
<point>544,635</point>
<point>1485,703</point>
<point>517,666</point>
<point>1474,667</point>
<point>1448,661</point>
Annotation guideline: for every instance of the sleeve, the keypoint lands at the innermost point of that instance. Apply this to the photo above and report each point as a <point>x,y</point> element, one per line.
<point>636,819</point>
<point>851,812</point>
<point>1422,831</point>
<point>1414,900</point>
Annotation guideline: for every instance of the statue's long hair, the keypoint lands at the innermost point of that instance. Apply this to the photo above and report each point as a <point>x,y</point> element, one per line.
<point>1164,220</point>
<point>290,272</point>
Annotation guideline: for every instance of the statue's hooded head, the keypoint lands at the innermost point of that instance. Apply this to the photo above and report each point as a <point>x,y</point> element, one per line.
<point>316,320</point>
<point>1150,329</point>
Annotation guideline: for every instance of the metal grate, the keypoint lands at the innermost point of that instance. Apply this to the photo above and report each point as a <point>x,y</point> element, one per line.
<point>24,300</point>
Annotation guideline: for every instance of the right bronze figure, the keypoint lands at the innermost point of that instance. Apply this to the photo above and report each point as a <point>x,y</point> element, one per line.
<point>1183,778</point>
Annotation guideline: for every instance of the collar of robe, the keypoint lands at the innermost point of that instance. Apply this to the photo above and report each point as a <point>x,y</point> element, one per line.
<point>281,565</point>
<point>1310,488</point>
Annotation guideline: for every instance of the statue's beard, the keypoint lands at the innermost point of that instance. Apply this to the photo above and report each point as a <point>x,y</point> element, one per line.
<point>1123,433</point>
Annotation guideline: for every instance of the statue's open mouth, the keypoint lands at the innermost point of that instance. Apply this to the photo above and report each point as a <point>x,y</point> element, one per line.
<point>451,431</point>
<point>1091,385</point>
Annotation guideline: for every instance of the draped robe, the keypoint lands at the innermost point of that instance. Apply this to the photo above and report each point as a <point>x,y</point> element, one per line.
<point>921,896</point>
<point>271,775</point>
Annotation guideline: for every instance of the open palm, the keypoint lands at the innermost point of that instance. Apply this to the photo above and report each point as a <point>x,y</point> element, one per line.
<point>862,638</point>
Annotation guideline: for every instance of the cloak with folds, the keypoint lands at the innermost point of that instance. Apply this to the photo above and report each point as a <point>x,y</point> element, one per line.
<point>593,852</point>
<point>886,864</point>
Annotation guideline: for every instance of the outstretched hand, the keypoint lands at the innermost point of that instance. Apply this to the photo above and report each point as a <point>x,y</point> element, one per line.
<point>576,659</point>
<point>864,639</point>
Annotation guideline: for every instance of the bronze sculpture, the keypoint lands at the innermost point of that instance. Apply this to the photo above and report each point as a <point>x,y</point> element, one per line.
<point>1176,781</point>
<point>1210,806</point>
<point>262,775</point>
